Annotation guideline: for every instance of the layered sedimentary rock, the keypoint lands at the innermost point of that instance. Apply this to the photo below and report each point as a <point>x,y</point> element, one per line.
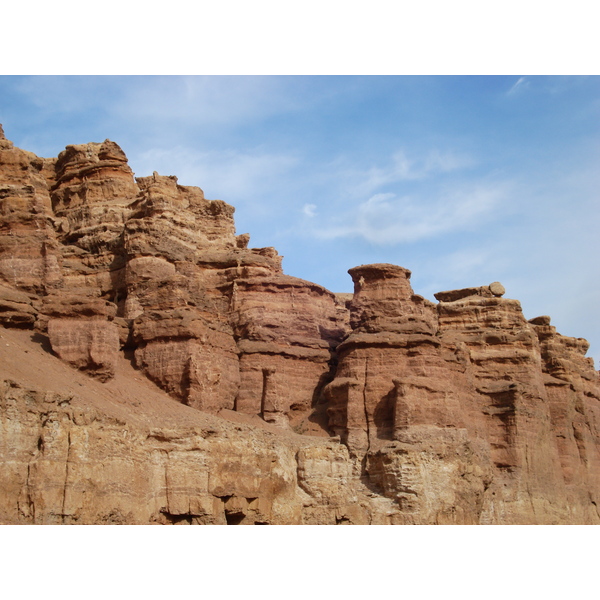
<point>147,264</point>
<point>29,252</point>
<point>392,336</point>
<point>286,330</point>
<point>75,450</point>
<point>447,406</point>
<point>374,407</point>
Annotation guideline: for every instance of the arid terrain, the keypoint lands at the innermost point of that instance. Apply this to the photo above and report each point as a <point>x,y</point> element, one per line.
<point>154,368</point>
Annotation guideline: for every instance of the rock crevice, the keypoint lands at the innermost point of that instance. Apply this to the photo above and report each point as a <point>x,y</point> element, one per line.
<point>373,407</point>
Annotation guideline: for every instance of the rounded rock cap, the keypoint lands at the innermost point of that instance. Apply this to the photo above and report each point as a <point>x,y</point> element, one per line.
<point>379,271</point>
<point>497,288</point>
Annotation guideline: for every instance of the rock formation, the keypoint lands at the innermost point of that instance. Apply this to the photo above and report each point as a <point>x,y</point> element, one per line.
<point>277,401</point>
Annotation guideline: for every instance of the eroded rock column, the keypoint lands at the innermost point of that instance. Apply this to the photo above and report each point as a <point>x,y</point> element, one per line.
<point>393,339</point>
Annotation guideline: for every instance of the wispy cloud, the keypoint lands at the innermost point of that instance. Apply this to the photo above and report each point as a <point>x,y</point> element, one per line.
<point>231,175</point>
<point>310,210</point>
<point>401,167</point>
<point>521,84</point>
<point>386,219</point>
<point>206,101</point>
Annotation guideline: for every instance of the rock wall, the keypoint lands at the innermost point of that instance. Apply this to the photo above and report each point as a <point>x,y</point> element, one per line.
<point>79,451</point>
<point>115,263</point>
<point>379,407</point>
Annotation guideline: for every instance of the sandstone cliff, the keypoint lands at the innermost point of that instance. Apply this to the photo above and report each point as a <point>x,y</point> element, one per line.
<point>154,369</point>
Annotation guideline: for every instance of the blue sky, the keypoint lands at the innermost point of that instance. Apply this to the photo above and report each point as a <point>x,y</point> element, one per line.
<point>464,180</point>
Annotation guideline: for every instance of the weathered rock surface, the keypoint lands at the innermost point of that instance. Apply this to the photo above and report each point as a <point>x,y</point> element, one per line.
<point>75,450</point>
<point>423,392</point>
<point>286,403</point>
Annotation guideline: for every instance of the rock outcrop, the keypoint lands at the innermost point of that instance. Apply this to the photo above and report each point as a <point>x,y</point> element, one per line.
<point>286,403</point>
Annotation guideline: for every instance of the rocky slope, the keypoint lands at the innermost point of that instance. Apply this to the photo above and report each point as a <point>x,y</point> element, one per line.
<point>154,369</point>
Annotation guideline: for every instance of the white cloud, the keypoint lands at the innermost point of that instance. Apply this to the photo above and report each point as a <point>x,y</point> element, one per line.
<point>521,84</point>
<point>206,101</point>
<point>310,210</point>
<point>229,175</point>
<point>385,219</point>
<point>401,168</point>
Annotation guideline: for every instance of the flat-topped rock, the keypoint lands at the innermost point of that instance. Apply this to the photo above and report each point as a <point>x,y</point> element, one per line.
<point>541,320</point>
<point>495,289</point>
<point>377,271</point>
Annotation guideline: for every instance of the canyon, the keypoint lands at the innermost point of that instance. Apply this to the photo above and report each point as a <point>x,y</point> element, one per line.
<point>154,368</point>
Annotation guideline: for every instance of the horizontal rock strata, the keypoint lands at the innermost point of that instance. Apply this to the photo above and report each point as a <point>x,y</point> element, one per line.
<point>277,400</point>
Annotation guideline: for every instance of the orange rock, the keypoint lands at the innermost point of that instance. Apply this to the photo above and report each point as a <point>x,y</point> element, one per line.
<point>373,407</point>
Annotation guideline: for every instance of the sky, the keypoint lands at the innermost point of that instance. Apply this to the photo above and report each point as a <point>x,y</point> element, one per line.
<point>464,180</point>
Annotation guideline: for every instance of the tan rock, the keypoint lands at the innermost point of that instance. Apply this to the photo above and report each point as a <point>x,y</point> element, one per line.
<point>29,253</point>
<point>17,308</point>
<point>373,407</point>
<point>87,344</point>
<point>497,288</point>
<point>454,295</point>
<point>285,329</point>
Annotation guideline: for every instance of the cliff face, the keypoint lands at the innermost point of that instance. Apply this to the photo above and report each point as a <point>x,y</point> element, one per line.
<point>462,398</point>
<point>277,401</point>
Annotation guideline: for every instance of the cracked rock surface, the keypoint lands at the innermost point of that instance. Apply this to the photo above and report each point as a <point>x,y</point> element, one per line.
<point>155,369</point>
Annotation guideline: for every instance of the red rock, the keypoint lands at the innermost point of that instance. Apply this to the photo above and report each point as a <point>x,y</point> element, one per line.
<point>89,345</point>
<point>286,329</point>
<point>456,412</point>
<point>29,255</point>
